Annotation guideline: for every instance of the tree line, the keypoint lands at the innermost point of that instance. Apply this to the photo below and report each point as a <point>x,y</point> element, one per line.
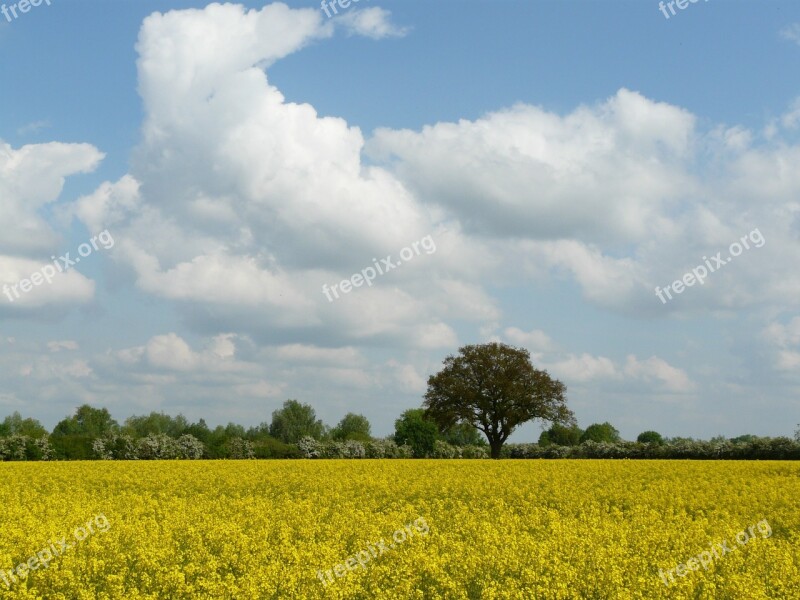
<point>471,408</point>
<point>295,432</point>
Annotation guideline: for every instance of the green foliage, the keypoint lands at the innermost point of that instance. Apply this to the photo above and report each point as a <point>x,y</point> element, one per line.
<point>72,447</point>
<point>650,437</point>
<point>269,447</point>
<point>463,434</point>
<point>201,431</point>
<point>239,449</point>
<point>600,432</point>
<point>155,423</point>
<point>22,447</point>
<point>561,435</point>
<point>87,422</point>
<point>495,388</point>
<point>744,439</point>
<point>352,427</point>
<point>414,429</point>
<point>15,425</point>
<point>295,421</point>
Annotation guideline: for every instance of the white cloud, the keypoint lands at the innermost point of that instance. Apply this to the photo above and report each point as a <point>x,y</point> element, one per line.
<point>62,345</point>
<point>654,368</point>
<point>535,340</point>
<point>587,368</point>
<point>308,354</point>
<point>584,368</point>
<point>372,22</point>
<point>31,178</point>
<point>598,172</point>
<point>69,287</point>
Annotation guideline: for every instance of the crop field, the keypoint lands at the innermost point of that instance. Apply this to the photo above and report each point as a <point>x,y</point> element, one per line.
<point>400,529</point>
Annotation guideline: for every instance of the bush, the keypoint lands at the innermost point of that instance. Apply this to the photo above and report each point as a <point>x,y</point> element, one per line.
<point>115,447</point>
<point>239,449</point>
<point>272,448</point>
<point>156,446</point>
<point>444,450</point>
<point>189,447</point>
<point>310,448</point>
<point>14,447</point>
<point>650,437</point>
<point>474,452</point>
<point>72,447</point>
<point>346,449</point>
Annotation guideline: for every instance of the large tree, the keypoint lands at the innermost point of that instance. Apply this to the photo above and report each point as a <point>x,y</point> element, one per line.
<point>295,421</point>
<point>353,427</point>
<point>495,388</point>
<point>561,435</point>
<point>87,421</point>
<point>415,429</point>
<point>155,423</point>
<point>601,432</point>
<point>16,425</point>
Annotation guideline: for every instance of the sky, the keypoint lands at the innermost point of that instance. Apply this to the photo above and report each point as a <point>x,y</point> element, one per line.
<point>610,186</point>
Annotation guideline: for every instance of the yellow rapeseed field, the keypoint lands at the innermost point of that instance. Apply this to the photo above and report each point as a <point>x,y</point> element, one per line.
<point>467,529</point>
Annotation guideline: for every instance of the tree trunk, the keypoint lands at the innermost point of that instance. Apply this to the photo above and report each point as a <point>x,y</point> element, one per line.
<point>495,446</point>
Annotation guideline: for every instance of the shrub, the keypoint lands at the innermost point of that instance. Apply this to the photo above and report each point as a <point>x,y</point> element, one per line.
<point>273,448</point>
<point>444,450</point>
<point>310,448</point>
<point>115,447</point>
<point>239,449</point>
<point>474,452</point>
<point>156,446</point>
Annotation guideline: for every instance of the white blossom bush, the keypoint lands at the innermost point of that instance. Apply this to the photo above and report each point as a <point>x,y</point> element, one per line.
<point>239,449</point>
<point>156,446</point>
<point>115,447</point>
<point>444,450</point>
<point>14,447</point>
<point>474,452</point>
<point>44,448</point>
<point>190,448</point>
<point>310,448</point>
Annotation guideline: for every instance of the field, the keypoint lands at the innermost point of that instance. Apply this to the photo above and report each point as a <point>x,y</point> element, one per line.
<point>414,529</point>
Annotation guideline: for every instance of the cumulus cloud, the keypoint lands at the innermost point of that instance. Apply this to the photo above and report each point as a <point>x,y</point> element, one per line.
<point>240,205</point>
<point>598,172</point>
<point>653,371</point>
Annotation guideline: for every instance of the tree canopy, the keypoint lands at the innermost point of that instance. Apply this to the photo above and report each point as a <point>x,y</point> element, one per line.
<point>87,421</point>
<point>416,430</point>
<point>15,425</point>
<point>495,388</point>
<point>601,432</point>
<point>295,421</point>
<point>352,427</point>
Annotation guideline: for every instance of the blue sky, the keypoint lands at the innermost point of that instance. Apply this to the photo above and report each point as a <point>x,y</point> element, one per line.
<point>565,157</point>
